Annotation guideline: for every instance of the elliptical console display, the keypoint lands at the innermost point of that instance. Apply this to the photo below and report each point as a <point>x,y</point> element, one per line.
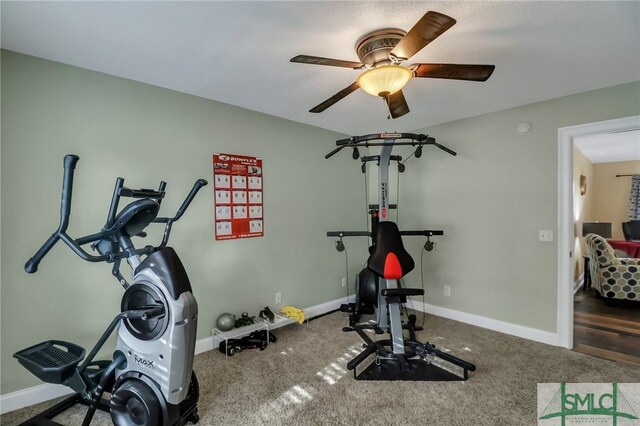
<point>150,377</point>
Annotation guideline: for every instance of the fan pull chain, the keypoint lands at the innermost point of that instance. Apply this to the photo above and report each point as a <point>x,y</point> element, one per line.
<point>386,107</point>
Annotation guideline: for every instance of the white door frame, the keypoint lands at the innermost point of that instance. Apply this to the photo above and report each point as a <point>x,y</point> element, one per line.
<point>565,215</point>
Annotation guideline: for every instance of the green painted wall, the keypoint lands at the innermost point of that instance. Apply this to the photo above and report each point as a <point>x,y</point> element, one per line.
<point>147,134</point>
<point>493,198</point>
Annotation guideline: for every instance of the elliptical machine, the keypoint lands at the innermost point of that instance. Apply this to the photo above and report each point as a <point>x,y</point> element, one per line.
<point>378,289</point>
<point>150,378</point>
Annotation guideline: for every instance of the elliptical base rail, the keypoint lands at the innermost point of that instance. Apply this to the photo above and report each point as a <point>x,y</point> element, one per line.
<point>45,418</point>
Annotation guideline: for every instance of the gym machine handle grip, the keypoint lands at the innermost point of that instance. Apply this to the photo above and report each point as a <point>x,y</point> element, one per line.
<point>70,162</point>
<point>445,149</point>
<point>32,264</point>
<point>185,204</point>
<point>196,187</point>
<point>334,152</point>
<point>169,221</point>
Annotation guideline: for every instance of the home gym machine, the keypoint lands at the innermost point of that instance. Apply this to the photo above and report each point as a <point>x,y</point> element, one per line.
<point>150,377</point>
<point>378,289</point>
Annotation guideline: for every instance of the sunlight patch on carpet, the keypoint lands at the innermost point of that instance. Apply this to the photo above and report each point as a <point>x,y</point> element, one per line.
<point>295,397</point>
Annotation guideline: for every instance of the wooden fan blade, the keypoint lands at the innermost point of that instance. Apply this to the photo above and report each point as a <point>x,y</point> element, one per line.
<point>427,29</point>
<point>454,71</point>
<point>317,60</point>
<point>335,98</point>
<point>397,104</point>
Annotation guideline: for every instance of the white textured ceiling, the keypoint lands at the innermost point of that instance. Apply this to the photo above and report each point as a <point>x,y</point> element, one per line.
<point>610,147</point>
<point>238,52</point>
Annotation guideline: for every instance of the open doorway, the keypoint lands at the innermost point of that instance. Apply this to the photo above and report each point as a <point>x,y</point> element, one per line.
<point>568,232</point>
<point>606,302</point>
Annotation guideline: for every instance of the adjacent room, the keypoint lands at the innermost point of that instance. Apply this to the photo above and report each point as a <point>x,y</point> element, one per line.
<point>606,169</point>
<point>319,212</point>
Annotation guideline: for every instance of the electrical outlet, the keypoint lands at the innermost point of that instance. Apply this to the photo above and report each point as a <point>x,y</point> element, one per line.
<point>278,297</point>
<point>545,235</point>
<point>344,281</point>
<point>447,290</point>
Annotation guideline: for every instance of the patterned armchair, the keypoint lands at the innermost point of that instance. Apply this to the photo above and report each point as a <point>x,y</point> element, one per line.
<point>612,277</point>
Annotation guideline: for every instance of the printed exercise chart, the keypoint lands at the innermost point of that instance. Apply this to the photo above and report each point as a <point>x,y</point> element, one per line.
<point>237,185</point>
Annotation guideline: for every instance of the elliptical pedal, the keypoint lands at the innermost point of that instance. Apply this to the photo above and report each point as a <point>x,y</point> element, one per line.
<point>52,361</point>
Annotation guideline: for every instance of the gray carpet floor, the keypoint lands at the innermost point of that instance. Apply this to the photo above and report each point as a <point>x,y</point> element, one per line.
<point>302,380</point>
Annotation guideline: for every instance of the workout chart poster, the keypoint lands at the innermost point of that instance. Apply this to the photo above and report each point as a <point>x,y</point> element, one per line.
<point>237,185</point>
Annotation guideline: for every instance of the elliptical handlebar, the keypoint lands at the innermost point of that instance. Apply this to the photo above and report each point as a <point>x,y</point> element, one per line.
<point>70,161</point>
<point>31,266</point>
<point>185,204</point>
<point>414,140</point>
<point>187,201</point>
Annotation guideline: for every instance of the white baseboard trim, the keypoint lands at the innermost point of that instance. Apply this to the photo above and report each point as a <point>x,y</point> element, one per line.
<point>33,395</point>
<point>203,345</point>
<point>323,308</point>
<point>535,334</point>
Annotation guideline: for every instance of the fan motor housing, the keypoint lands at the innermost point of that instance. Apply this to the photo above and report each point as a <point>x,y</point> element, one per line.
<point>373,48</point>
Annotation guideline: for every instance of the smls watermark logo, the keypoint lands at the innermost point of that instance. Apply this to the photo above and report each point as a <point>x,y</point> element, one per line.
<point>588,404</point>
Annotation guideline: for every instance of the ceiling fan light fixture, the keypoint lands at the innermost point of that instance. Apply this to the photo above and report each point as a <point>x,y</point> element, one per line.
<point>384,80</point>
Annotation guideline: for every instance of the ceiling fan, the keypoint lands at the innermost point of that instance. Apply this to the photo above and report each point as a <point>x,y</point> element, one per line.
<point>381,53</point>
